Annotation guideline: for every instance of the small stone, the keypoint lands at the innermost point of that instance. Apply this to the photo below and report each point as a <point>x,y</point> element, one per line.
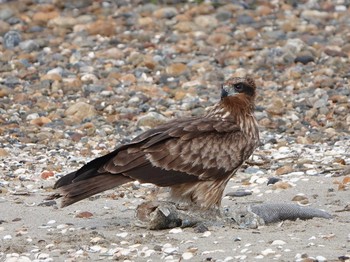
<point>32,116</point>
<point>101,27</point>
<point>187,255</point>
<point>323,81</point>
<point>80,111</point>
<point>40,121</point>
<point>239,193</point>
<point>12,39</point>
<point>223,15</point>
<point>273,180</point>
<point>303,140</point>
<point>284,170</point>
<point>206,21</point>
<point>277,107</point>
<point>185,26</point>
<point>89,78</point>
<point>29,46</point>
<point>206,234</point>
<point>346,180</point>
<point>304,59</point>
<point>52,77</point>
<point>48,203</point>
<point>122,235</point>
<point>267,252</point>
<point>165,12</point>
<point>263,10</point>
<point>112,53</point>
<point>333,52</point>
<point>5,13</point>
<point>128,79</point>
<point>278,243</point>
<point>151,119</point>
<point>176,69</point>
<point>281,185</point>
<point>3,152</point>
<point>175,231</point>
<point>201,228</point>
<point>46,174</point>
<point>218,39</point>
<point>43,17</point>
<point>62,22</point>
<point>321,259</point>
<point>84,214</point>
<point>4,27</point>
<point>56,70</point>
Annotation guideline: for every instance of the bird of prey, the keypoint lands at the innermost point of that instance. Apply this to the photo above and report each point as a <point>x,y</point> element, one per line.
<point>195,157</point>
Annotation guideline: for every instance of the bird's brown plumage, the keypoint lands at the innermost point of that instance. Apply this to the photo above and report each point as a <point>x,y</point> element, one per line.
<point>195,156</point>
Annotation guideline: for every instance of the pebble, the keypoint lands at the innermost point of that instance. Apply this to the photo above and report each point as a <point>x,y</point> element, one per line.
<point>278,243</point>
<point>80,111</point>
<point>187,255</point>
<point>29,45</point>
<point>12,39</point>
<point>151,119</point>
<point>78,77</point>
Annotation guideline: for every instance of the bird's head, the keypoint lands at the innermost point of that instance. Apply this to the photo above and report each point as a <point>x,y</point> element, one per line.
<point>239,86</point>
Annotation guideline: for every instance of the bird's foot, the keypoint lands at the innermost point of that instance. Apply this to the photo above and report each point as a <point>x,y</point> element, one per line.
<point>157,215</point>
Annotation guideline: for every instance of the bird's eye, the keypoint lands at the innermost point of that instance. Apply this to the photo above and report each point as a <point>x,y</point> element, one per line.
<point>239,87</point>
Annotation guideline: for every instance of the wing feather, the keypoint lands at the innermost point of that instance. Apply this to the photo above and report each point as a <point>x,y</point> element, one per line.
<point>195,147</point>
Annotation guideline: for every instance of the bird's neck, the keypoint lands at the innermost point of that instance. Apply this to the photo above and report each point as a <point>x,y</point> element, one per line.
<point>234,107</point>
<point>237,109</point>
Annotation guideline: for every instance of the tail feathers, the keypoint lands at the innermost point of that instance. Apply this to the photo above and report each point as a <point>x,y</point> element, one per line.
<point>75,191</point>
<point>65,180</point>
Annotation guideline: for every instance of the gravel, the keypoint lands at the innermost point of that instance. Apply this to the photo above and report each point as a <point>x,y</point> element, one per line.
<point>79,77</point>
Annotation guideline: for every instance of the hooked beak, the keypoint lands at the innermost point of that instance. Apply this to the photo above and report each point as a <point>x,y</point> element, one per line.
<point>227,91</point>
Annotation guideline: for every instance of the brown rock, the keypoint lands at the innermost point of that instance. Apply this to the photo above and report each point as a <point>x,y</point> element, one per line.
<point>102,27</point>
<point>128,79</point>
<point>3,152</point>
<point>179,95</point>
<point>4,91</point>
<point>334,52</point>
<point>277,107</point>
<point>250,33</point>
<point>53,77</point>
<point>43,17</point>
<point>62,22</point>
<point>263,10</point>
<point>74,83</point>
<point>112,53</point>
<point>324,81</point>
<point>206,21</point>
<point>80,111</point>
<point>284,170</point>
<point>40,121</point>
<point>176,69</point>
<point>151,119</point>
<point>300,198</point>
<point>114,75</point>
<point>346,180</point>
<point>303,140</point>
<point>218,39</point>
<point>46,174</point>
<point>165,12</point>
<point>145,21</point>
<point>185,26</point>
<point>84,214</point>
<point>281,185</point>
<point>4,27</point>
